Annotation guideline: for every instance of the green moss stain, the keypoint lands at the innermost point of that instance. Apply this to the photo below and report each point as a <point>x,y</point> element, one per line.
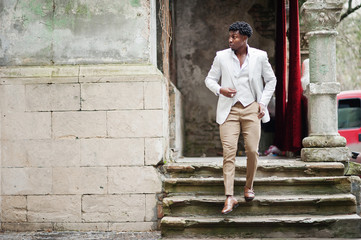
<point>38,7</point>
<point>135,3</point>
<point>67,9</point>
<point>77,9</point>
<point>82,10</point>
<point>72,11</point>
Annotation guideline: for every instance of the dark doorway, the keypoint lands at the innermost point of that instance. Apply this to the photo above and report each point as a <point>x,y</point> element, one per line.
<point>199,29</point>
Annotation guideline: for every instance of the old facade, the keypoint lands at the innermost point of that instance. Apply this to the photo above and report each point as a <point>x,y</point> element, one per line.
<point>86,114</point>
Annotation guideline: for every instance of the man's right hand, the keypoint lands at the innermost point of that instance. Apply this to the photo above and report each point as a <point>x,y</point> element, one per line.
<point>228,92</point>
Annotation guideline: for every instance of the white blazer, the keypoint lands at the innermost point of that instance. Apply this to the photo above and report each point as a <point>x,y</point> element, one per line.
<point>261,77</point>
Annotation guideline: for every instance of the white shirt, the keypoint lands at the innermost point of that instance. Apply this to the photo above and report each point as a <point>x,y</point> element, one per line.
<point>241,74</point>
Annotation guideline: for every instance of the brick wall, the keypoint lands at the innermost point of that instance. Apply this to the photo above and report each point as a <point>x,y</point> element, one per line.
<point>79,146</point>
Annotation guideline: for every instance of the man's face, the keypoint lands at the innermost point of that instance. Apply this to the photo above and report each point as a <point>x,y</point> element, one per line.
<point>236,40</point>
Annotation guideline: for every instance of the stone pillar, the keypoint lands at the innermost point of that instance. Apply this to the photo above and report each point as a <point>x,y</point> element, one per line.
<point>320,18</point>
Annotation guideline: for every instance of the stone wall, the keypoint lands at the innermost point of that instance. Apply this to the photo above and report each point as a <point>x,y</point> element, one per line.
<point>79,146</point>
<point>200,30</point>
<point>84,115</point>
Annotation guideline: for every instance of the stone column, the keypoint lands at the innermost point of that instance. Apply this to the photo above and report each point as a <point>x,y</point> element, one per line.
<point>323,143</point>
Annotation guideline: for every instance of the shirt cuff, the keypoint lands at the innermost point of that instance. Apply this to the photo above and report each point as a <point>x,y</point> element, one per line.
<point>263,103</point>
<point>218,91</point>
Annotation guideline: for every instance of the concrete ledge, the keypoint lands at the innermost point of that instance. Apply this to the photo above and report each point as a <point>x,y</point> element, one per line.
<point>323,88</point>
<point>336,154</point>
<point>79,73</point>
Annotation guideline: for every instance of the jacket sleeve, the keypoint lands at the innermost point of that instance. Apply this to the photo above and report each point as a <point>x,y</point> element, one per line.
<point>214,76</point>
<point>269,79</point>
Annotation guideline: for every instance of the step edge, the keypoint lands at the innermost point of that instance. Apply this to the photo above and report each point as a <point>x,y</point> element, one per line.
<point>309,219</point>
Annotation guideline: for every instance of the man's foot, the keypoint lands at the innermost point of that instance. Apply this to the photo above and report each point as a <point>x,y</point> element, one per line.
<point>248,194</point>
<point>229,204</point>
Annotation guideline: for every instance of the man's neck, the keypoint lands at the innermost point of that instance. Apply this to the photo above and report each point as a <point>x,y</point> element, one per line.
<point>241,51</point>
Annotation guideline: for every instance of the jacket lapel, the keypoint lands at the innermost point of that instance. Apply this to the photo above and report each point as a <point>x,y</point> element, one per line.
<point>252,62</point>
<point>230,67</point>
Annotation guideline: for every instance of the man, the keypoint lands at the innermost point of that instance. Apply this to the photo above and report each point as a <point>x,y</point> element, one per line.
<point>248,83</point>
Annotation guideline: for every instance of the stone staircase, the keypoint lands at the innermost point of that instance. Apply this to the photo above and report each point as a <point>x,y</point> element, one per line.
<point>294,199</point>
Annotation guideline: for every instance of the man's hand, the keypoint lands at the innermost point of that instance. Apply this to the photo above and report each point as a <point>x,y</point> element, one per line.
<point>228,92</point>
<point>262,109</point>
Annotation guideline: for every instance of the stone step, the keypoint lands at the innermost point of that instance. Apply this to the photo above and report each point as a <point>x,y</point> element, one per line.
<point>267,167</point>
<point>306,226</point>
<point>261,205</point>
<point>262,186</point>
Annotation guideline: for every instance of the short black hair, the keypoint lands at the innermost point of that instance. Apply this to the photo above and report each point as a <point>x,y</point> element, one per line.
<point>243,28</point>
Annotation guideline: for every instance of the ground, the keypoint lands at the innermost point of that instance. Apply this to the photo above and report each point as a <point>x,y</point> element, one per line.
<point>102,235</point>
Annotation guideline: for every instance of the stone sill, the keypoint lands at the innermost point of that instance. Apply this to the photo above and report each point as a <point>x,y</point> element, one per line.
<point>79,73</point>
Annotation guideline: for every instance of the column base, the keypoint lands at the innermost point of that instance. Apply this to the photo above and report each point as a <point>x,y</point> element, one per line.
<point>322,141</point>
<point>328,154</point>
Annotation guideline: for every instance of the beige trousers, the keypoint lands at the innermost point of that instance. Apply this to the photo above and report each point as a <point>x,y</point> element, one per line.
<point>245,119</point>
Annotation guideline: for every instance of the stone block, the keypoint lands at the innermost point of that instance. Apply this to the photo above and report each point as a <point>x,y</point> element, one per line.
<point>127,72</point>
<point>35,125</point>
<point>134,180</point>
<point>80,180</point>
<point>135,123</point>
<point>12,98</point>
<point>324,88</point>
<point>153,95</point>
<point>324,141</point>
<point>337,154</point>
<point>151,204</point>
<point>13,209</point>
<point>52,97</point>
<point>112,152</point>
<point>26,227</point>
<point>356,190</point>
<point>116,79</point>
<point>35,72</point>
<point>40,153</point>
<point>153,150</point>
<point>79,124</point>
<point>322,118</point>
<point>84,227</point>
<point>20,181</point>
<point>133,226</point>
<point>112,96</point>
<point>40,80</point>
<point>353,169</point>
<point>54,208</point>
<point>113,208</point>
<point>39,74</point>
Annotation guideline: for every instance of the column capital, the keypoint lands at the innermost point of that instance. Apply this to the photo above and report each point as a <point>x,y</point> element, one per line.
<point>321,14</point>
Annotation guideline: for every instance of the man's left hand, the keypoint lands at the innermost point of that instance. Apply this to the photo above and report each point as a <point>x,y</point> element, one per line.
<point>262,110</point>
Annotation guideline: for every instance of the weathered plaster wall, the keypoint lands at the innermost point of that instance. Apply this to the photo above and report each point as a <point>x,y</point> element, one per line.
<point>45,32</point>
<point>200,30</point>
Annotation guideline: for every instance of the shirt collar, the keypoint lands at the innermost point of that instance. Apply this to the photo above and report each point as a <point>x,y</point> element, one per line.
<point>234,55</point>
